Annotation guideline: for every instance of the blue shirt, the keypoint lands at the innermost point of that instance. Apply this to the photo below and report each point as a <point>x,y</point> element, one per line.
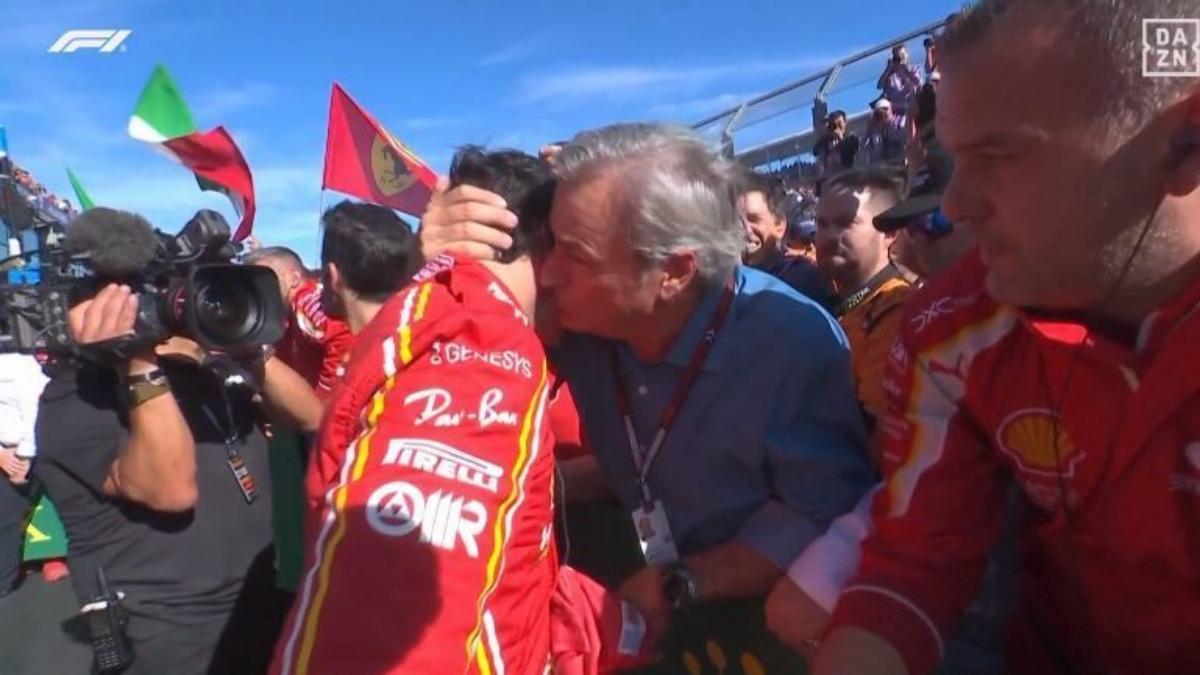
<point>769,446</point>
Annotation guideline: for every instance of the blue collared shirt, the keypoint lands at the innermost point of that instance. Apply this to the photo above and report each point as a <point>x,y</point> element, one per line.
<point>770,445</point>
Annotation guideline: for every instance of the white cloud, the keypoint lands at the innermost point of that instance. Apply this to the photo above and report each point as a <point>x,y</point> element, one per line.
<point>511,52</point>
<point>213,107</point>
<point>623,83</point>
<point>691,109</point>
<point>428,123</point>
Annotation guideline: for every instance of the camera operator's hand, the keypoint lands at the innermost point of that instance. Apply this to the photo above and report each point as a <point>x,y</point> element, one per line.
<point>466,220</point>
<point>109,315</point>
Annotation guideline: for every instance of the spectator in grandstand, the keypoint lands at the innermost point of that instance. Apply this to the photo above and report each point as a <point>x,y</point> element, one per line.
<point>763,208</point>
<point>1060,358</point>
<point>21,383</point>
<point>930,59</point>
<point>884,141</point>
<point>836,149</point>
<point>314,343</point>
<point>899,80</point>
<point>855,255</point>
<point>643,271</point>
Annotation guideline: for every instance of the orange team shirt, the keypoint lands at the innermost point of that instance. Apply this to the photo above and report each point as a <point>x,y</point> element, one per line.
<point>871,327</point>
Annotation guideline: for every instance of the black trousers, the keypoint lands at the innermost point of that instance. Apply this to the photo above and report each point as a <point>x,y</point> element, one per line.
<point>15,502</point>
<point>241,643</point>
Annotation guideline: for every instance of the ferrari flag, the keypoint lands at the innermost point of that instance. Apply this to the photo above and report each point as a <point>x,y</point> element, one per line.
<point>364,160</point>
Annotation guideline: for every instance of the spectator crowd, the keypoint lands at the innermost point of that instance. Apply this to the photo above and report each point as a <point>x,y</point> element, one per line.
<point>34,192</point>
<point>926,403</point>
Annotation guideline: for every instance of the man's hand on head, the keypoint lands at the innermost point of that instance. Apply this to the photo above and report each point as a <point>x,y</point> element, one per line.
<point>466,220</point>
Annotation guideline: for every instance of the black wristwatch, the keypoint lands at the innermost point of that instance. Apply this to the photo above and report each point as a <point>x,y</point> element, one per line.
<point>679,586</point>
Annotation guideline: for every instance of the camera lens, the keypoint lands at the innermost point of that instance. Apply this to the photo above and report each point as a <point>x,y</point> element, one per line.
<point>224,313</point>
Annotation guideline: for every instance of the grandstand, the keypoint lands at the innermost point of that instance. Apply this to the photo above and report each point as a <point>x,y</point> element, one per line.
<point>29,214</point>
<point>762,131</point>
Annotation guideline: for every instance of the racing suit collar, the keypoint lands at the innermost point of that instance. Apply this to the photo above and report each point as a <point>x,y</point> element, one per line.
<point>1150,335</point>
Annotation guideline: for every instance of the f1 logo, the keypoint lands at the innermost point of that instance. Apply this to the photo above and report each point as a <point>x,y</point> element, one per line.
<point>105,41</point>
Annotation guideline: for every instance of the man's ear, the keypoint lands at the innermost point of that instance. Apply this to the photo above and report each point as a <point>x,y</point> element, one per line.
<point>1185,153</point>
<point>678,272</point>
<point>295,279</point>
<point>333,277</point>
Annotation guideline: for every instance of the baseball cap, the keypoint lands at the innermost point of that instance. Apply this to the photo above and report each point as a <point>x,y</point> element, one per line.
<point>803,230</point>
<point>925,195</point>
<point>881,104</point>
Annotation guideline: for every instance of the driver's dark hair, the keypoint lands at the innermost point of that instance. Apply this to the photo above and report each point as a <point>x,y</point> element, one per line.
<point>374,250</point>
<point>525,182</point>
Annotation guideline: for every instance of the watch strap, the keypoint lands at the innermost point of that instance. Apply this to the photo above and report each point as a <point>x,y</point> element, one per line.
<point>141,392</point>
<point>149,377</point>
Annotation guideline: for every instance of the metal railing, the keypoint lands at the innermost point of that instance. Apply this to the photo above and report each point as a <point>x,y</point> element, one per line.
<point>764,129</point>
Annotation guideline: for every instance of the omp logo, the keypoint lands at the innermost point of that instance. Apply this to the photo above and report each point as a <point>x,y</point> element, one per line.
<point>397,509</point>
<point>442,460</point>
<point>103,40</point>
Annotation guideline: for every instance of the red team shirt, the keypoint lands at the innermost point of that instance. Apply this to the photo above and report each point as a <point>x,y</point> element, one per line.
<point>314,344</point>
<point>975,391</point>
<point>430,544</point>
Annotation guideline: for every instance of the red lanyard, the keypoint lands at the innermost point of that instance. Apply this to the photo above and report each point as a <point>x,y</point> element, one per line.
<point>643,462</point>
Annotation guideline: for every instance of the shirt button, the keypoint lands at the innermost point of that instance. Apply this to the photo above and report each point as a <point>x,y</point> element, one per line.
<point>642,390</point>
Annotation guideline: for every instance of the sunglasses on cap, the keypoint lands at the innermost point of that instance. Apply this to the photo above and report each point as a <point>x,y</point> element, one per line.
<point>932,225</point>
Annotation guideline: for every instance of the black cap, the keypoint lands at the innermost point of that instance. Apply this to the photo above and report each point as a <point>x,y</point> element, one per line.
<point>925,196</point>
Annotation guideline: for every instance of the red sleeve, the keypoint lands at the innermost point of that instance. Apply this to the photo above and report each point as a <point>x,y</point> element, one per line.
<point>943,503</point>
<point>564,422</point>
<point>334,347</point>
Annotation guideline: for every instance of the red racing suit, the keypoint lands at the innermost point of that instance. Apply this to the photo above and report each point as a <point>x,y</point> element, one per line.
<point>430,544</point>
<point>314,344</point>
<point>982,394</point>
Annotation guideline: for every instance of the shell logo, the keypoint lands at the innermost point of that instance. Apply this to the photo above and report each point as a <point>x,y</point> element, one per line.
<point>390,171</point>
<point>1029,435</point>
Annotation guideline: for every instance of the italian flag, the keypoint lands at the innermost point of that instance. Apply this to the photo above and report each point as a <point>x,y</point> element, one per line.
<point>163,120</point>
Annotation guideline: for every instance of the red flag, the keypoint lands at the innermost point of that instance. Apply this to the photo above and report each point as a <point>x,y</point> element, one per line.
<point>219,166</point>
<point>364,160</point>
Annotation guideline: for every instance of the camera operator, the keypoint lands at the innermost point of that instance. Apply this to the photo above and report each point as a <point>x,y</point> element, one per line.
<point>160,474</point>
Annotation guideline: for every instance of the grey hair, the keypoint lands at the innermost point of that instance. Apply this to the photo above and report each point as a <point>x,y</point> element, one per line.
<point>675,193</point>
<point>1114,27</point>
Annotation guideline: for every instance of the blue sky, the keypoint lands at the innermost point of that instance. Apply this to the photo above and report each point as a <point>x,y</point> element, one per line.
<point>437,74</point>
